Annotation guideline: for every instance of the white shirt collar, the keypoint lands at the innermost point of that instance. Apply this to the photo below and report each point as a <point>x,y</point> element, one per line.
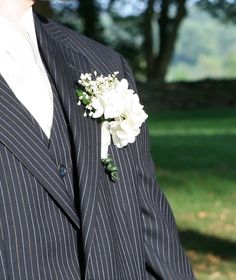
<point>26,20</point>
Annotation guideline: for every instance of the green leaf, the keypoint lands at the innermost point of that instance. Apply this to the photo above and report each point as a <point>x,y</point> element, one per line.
<point>82,97</point>
<point>79,92</point>
<point>85,100</point>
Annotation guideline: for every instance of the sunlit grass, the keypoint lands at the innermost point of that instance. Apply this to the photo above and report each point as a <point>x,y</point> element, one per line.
<point>195,157</point>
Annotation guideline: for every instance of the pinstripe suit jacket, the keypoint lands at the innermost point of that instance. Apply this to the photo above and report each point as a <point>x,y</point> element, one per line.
<point>110,231</point>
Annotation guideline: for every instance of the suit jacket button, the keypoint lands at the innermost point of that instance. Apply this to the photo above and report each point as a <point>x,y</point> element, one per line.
<point>62,170</point>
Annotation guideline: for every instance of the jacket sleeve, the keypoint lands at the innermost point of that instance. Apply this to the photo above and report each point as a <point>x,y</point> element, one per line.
<point>164,255</point>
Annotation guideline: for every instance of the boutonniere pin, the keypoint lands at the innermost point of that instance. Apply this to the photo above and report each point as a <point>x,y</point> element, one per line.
<point>116,107</point>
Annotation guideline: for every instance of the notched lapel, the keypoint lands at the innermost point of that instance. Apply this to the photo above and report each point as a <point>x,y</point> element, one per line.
<point>19,135</point>
<point>65,66</point>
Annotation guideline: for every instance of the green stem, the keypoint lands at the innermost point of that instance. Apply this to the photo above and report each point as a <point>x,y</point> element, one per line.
<point>111,168</point>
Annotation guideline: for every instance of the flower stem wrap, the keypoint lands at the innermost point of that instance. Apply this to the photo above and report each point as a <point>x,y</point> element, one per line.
<point>111,169</point>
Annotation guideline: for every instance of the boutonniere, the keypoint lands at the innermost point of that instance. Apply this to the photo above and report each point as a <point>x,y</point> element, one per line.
<point>116,107</point>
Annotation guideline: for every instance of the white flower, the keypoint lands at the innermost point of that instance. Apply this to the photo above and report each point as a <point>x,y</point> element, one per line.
<point>108,104</point>
<point>97,106</point>
<point>123,132</point>
<point>117,106</point>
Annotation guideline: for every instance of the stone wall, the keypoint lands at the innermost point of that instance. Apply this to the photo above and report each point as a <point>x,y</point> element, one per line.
<point>189,95</point>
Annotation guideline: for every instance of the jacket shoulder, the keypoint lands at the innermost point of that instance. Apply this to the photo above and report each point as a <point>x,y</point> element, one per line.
<point>88,47</point>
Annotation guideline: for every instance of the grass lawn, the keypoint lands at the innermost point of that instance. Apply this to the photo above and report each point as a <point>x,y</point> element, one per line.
<point>195,157</point>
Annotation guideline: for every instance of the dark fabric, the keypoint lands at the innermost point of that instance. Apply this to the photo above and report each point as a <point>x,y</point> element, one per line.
<point>89,226</point>
<point>60,147</point>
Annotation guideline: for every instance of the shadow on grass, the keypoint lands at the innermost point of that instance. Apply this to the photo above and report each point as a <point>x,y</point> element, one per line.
<point>203,243</point>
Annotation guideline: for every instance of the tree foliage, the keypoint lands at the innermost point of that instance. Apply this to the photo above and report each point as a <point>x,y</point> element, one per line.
<point>147,34</point>
<point>221,9</point>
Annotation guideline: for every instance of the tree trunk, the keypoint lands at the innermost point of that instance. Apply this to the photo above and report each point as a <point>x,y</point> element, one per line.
<point>88,11</point>
<point>168,33</point>
<point>43,8</point>
<point>148,39</point>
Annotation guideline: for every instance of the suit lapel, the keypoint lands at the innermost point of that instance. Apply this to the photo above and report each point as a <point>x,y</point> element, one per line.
<point>20,136</point>
<point>65,66</point>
